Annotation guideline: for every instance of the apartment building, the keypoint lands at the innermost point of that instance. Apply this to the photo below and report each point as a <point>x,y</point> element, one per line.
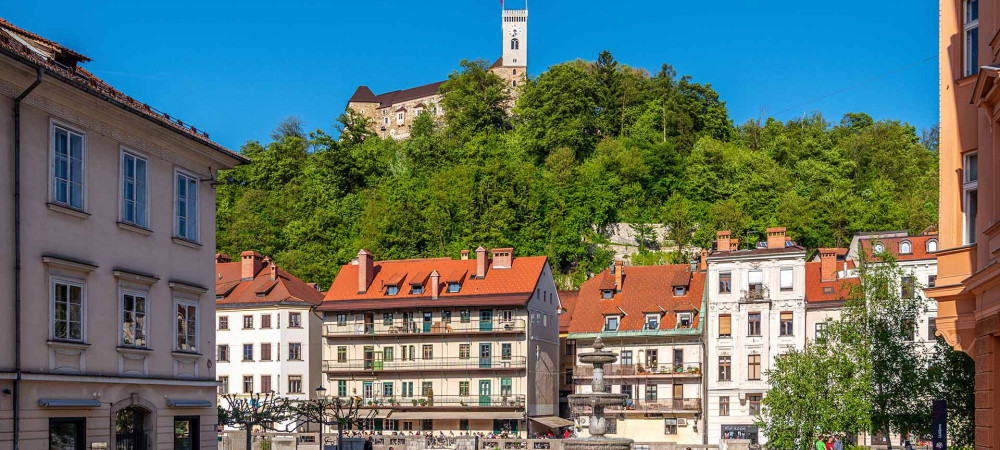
<point>756,311</point>
<point>267,335</point>
<point>439,344</point>
<point>651,316</point>
<point>108,236</point>
<point>567,352</point>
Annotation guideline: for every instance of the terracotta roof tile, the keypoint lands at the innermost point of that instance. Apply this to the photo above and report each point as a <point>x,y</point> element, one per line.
<point>261,289</point>
<point>568,301</point>
<point>819,291</point>
<point>917,243</point>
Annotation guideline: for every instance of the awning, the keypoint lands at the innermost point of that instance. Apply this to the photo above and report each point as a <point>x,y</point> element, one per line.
<point>455,415</point>
<point>552,421</point>
<point>174,403</point>
<point>68,403</point>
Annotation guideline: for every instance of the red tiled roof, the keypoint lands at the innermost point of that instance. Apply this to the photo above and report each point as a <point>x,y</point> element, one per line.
<point>644,289</point>
<point>509,286</point>
<point>818,291</point>
<point>63,63</point>
<point>568,301</point>
<point>918,244</point>
<point>261,289</point>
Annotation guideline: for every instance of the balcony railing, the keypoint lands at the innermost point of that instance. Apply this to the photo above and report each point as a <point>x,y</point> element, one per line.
<point>445,401</point>
<point>755,293</point>
<point>433,364</point>
<point>584,372</point>
<point>641,405</point>
<point>400,328</point>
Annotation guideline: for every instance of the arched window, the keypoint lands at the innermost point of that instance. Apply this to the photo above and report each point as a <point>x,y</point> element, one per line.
<point>878,248</point>
<point>905,248</point>
<point>514,44</point>
<point>932,245</point>
<point>515,83</point>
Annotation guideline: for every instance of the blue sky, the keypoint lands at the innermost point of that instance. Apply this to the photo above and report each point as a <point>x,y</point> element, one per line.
<point>237,68</point>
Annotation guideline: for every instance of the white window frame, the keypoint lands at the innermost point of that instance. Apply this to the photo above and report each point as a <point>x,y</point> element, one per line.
<point>969,67</point>
<point>791,278</point>
<point>652,317</point>
<point>53,125</point>
<point>197,203</point>
<point>186,303</point>
<point>682,316</point>
<point>142,222</point>
<point>969,185</point>
<point>53,281</point>
<point>878,248</point>
<point>931,243</point>
<point>905,248</point>
<point>607,322</point>
<point>121,313</point>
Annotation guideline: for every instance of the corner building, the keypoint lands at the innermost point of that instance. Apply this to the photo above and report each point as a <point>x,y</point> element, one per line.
<point>463,346</point>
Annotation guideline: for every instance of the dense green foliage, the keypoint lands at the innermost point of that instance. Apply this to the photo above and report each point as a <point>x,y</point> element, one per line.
<point>586,144</point>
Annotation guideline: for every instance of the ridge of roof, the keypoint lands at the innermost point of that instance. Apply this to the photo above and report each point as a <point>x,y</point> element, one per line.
<point>261,289</point>
<point>363,95</point>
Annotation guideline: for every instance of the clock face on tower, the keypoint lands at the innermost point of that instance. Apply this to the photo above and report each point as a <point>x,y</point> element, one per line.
<point>515,31</point>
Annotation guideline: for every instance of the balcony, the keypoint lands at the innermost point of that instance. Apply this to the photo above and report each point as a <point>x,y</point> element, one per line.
<point>435,328</point>
<point>755,293</point>
<point>644,406</point>
<point>425,365</point>
<point>513,401</point>
<point>583,373</point>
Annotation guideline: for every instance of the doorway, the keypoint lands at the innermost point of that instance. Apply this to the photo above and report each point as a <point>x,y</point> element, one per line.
<point>132,428</point>
<point>186,433</point>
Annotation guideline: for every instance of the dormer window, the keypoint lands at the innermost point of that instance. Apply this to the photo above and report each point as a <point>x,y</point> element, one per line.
<point>652,321</point>
<point>680,291</point>
<point>905,248</point>
<point>391,290</point>
<point>828,290</point>
<point>607,294</point>
<point>416,289</point>
<point>454,287</point>
<point>684,320</point>
<point>878,248</point>
<point>932,245</point>
<point>611,323</point>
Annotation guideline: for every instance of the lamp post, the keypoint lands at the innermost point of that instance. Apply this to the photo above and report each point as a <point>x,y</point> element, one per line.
<point>320,398</point>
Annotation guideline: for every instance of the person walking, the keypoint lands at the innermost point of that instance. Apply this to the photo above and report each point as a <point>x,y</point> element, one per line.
<point>819,444</point>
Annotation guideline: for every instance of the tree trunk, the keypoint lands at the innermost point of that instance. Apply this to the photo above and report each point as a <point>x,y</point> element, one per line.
<point>888,438</point>
<point>249,430</point>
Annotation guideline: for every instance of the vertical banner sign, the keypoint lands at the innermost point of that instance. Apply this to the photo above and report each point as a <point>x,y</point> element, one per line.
<point>939,425</point>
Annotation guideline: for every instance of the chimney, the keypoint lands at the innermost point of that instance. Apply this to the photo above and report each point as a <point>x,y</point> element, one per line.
<point>703,261</point>
<point>502,257</point>
<point>619,275</point>
<point>722,241</point>
<point>366,270</point>
<point>465,255</point>
<point>827,264</point>
<point>274,268</point>
<point>776,237</point>
<point>252,262</point>
<point>222,258</point>
<point>435,284</point>
<point>480,262</point>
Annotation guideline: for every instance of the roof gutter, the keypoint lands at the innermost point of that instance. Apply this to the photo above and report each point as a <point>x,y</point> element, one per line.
<point>17,254</point>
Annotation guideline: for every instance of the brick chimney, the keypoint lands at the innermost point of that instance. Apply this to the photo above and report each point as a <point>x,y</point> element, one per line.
<point>722,241</point>
<point>222,258</point>
<point>274,268</point>
<point>502,257</point>
<point>827,264</point>
<point>435,284</point>
<point>619,275</point>
<point>251,262</point>
<point>480,262</point>
<point>703,260</point>
<point>465,255</point>
<point>776,237</point>
<point>366,270</point>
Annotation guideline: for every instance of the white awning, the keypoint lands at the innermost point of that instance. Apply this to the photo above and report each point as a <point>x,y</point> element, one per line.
<point>552,421</point>
<point>456,415</point>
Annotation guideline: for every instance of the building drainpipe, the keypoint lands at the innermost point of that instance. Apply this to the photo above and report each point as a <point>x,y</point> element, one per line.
<point>17,256</point>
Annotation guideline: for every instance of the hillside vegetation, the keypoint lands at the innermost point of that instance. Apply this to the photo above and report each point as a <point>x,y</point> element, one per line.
<point>586,145</point>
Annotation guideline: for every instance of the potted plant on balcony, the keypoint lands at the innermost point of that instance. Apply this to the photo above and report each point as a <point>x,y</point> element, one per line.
<point>423,402</point>
<point>414,402</point>
<point>504,400</point>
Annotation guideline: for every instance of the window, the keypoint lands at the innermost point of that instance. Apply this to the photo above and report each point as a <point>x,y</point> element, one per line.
<point>265,351</point>
<point>247,384</point>
<point>342,354</point>
<point>970,30</point>
<point>820,330</point>
<point>265,321</point>
<point>506,386</point>
<point>570,347</point>
<point>387,319</point>
<point>670,426</point>
<point>753,324</point>
<point>724,406</point>
<point>186,207</point>
<point>391,290</point>
<point>463,351</point>
<point>607,294</point>
<point>787,278</point>
<point>931,280</point>
<point>680,291</point>
<point>684,320</point>
<point>879,248</point>
<point>294,320</point>
<point>905,248</point>
<point>652,321</point>
<point>388,389</point>
<point>187,326</point>
<point>651,392</point>
<point>247,322</point>
<point>754,401</point>
<point>753,367</point>
<point>515,44</point>
<point>931,329</point>
<point>416,289</point>
<point>786,324</point>
<point>507,315</point>
<point>827,290</point>
<point>970,187</point>
<point>756,283</point>
<point>505,351</point>
<point>387,354</point>
<point>932,245</point>
<point>341,388</point>
<point>341,320</point>
<point>514,71</point>
<point>407,426</point>
<point>454,287</point>
<point>67,433</point>
<point>68,154</point>
<point>465,316</point>
<point>407,388</point>
<point>223,322</point>
<point>611,323</point>
<point>427,424</point>
<point>135,179</point>
<point>222,353</point>
<point>294,351</point>
<point>426,388</point>
<point>446,316</point>
<point>223,385</point>
<point>907,287</point>
<point>428,351</point>
<point>67,310</point>
<point>725,282</point>
<point>265,383</point>
<point>248,352</point>
<point>725,325</point>
<point>725,368</point>
<point>295,384</point>
<point>133,319</point>
<point>652,359</point>
<point>513,83</point>
<point>569,377</point>
<point>626,357</point>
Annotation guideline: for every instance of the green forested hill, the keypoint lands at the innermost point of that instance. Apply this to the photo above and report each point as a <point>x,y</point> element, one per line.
<point>587,144</point>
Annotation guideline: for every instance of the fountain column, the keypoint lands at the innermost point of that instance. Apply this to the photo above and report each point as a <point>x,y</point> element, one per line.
<point>597,401</point>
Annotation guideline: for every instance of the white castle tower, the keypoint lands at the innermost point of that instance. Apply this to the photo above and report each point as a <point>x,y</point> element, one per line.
<point>515,38</point>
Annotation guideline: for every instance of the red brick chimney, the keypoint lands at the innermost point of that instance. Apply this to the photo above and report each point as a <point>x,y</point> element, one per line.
<point>703,261</point>
<point>222,258</point>
<point>465,255</point>
<point>252,262</point>
<point>619,275</point>
<point>502,257</point>
<point>480,262</point>
<point>776,237</point>
<point>272,266</point>
<point>827,264</point>
<point>435,284</point>
<point>366,270</point>
<point>722,241</point>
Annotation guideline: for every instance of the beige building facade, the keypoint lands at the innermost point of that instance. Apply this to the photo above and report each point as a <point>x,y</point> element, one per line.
<point>107,306</point>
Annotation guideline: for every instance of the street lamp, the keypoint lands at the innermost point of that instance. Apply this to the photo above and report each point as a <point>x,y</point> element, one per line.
<point>320,397</point>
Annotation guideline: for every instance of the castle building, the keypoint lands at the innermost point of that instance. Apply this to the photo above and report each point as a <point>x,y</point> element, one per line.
<point>391,114</point>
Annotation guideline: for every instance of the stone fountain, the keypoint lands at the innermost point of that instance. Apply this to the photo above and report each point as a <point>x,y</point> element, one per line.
<point>597,400</point>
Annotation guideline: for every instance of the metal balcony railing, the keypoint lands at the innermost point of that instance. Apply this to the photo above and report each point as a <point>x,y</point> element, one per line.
<point>585,372</point>
<point>445,401</point>
<point>755,293</point>
<point>433,364</point>
<point>400,328</point>
<point>651,406</point>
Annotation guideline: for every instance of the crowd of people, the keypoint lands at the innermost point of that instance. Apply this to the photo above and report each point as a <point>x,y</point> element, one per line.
<point>829,443</point>
<point>566,434</point>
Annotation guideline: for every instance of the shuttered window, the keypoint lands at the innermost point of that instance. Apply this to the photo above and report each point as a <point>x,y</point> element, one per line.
<point>725,325</point>
<point>786,279</point>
